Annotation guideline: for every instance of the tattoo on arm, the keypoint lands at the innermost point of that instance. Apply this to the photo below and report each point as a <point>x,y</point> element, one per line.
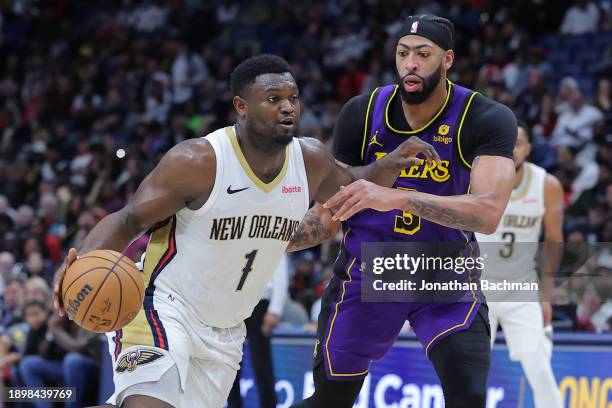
<point>443,215</point>
<point>310,232</point>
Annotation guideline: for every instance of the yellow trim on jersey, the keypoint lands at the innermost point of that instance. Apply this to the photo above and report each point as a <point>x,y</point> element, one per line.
<point>412,132</point>
<point>526,186</point>
<point>459,131</point>
<point>467,316</point>
<point>331,327</point>
<point>266,187</point>
<point>158,244</point>
<point>138,332</point>
<point>365,128</point>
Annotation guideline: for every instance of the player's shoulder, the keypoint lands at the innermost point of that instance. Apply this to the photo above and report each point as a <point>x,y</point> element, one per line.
<point>486,118</point>
<point>552,183</point>
<point>192,151</point>
<point>317,156</point>
<point>484,106</point>
<point>311,147</point>
<point>190,157</point>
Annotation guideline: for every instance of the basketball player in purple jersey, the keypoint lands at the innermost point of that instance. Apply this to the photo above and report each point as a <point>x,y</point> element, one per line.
<point>447,202</point>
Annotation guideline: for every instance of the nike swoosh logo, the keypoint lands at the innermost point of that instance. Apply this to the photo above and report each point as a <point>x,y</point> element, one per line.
<point>230,191</point>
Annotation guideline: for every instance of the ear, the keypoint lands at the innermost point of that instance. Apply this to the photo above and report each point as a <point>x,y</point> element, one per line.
<point>240,105</point>
<point>449,57</point>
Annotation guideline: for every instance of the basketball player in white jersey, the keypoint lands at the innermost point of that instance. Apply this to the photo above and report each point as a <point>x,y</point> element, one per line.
<point>221,211</point>
<point>536,201</point>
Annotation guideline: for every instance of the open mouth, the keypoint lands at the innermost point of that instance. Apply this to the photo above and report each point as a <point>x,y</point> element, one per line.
<point>412,83</point>
<point>287,123</point>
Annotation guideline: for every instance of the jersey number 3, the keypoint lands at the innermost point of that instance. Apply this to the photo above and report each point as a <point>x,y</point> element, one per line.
<point>406,223</point>
<point>250,257</point>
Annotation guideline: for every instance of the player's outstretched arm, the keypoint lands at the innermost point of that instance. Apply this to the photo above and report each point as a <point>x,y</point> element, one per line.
<point>183,178</point>
<point>326,177</point>
<point>492,179</point>
<point>316,227</point>
<point>384,171</point>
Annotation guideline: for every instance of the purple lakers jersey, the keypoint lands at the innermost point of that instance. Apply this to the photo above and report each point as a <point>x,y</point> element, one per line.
<point>451,177</point>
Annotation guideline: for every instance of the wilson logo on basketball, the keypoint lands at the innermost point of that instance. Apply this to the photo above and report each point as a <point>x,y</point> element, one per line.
<point>73,304</point>
<point>291,189</point>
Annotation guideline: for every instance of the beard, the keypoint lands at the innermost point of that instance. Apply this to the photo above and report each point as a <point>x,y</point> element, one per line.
<point>267,138</point>
<point>429,84</point>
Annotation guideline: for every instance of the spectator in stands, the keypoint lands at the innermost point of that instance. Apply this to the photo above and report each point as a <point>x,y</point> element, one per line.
<point>59,353</point>
<point>7,269</point>
<point>603,101</point>
<point>11,306</point>
<point>351,81</point>
<point>37,290</point>
<point>575,125</point>
<point>41,362</point>
<point>581,18</point>
<point>81,364</point>
<point>5,207</point>
<point>589,302</point>
<point>188,71</point>
<point>529,103</point>
<point>567,87</point>
<point>37,266</point>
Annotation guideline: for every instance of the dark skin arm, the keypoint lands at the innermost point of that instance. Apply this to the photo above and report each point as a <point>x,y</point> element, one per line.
<point>183,178</point>
<point>480,210</point>
<point>553,237</point>
<point>326,177</point>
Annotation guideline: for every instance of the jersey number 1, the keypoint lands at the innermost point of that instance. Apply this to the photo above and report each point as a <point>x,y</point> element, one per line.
<point>250,257</point>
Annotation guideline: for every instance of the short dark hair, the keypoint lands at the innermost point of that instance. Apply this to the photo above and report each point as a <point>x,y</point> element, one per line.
<point>245,73</point>
<point>522,124</point>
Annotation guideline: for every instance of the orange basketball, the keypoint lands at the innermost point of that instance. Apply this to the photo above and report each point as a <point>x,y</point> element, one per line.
<point>102,291</point>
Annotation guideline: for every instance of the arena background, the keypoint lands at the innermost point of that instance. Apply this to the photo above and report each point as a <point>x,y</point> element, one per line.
<point>92,93</point>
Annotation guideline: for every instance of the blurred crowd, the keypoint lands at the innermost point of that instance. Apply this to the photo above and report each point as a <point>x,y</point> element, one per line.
<point>93,93</point>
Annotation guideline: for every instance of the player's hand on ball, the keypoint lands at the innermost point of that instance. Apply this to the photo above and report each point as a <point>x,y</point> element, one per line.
<point>58,303</point>
<point>405,155</point>
<point>359,195</point>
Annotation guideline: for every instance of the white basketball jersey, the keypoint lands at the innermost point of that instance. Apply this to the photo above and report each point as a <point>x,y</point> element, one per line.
<point>518,233</point>
<point>216,261</point>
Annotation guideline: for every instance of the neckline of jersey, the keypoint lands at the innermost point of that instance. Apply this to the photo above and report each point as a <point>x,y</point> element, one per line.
<point>449,90</point>
<point>265,187</point>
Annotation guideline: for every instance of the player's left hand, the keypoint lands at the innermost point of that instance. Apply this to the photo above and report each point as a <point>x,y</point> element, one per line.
<point>270,320</point>
<point>547,313</point>
<point>405,155</point>
<point>362,194</point>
